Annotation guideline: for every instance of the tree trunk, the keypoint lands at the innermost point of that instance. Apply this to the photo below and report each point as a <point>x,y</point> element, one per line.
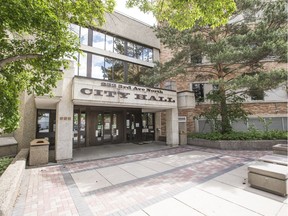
<point>225,123</point>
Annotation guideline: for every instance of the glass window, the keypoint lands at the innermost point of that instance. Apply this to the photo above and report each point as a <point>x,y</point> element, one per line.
<point>82,64</point>
<point>147,55</point>
<point>98,69</point>
<point>134,73</point>
<point>150,55</point>
<point>139,52</point>
<point>118,71</point>
<point>256,93</point>
<point>43,121</point>
<point>75,63</point>
<point>119,46</point>
<point>196,58</point>
<point>98,40</point>
<point>198,89</point>
<point>171,85</point>
<point>84,36</point>
<point>75,29</point>
<point>130,49</point>
<point>109,43</point>
<point>109,68</point>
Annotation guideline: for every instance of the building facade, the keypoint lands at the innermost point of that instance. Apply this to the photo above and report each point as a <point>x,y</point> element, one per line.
<point>100,98</point>
<point>269,105</point>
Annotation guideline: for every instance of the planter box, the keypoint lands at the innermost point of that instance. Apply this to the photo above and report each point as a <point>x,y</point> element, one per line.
<point>236,144</point>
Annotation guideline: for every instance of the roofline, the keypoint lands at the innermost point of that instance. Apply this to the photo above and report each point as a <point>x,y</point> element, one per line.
<point>130,17</point>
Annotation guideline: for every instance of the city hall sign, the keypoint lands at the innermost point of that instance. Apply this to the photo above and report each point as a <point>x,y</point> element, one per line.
<point>110,92</point>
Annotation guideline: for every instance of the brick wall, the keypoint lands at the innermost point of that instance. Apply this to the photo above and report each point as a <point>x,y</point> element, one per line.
<point>262,109</point>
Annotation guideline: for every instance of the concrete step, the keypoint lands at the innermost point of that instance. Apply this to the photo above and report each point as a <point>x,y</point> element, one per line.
<point>275,159</point>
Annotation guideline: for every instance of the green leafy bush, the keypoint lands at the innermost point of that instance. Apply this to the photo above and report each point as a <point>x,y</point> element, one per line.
<point>4,163</point>
<point>249,135</point>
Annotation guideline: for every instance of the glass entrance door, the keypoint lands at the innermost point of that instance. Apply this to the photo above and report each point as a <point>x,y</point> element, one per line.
<point>106,128</point>
<point>148,129</point>
<point>133,126</point>
<point>79,128</point>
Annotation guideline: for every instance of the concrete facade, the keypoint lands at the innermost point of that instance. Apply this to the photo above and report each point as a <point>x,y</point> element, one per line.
<point>88,93</point>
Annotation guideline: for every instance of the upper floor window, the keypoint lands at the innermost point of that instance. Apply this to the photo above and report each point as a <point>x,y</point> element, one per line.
<point>98,40</point>
<point>196,59</point>
<point>100,67</point>
<point>256,93</point>
<point>198,89</point>
<point>84,36</point>
<point>111,43</point>
<point>171,85</point>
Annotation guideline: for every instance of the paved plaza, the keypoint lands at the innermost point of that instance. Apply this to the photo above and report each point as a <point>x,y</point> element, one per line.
<point>147,180</point>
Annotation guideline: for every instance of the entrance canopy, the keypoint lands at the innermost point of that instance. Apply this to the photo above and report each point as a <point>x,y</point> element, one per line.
<point>87,91</point>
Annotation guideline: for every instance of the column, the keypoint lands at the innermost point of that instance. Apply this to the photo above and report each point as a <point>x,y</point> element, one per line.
<point>64,119</point>
<point>172,131</point>
<point>157,125</point>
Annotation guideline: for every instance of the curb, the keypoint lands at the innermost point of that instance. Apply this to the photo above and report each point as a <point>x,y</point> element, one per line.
<point>10,182</point>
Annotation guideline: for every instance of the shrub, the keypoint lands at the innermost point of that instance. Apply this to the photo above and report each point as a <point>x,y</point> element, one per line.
<point>249,135</point>
<point>4,163</point>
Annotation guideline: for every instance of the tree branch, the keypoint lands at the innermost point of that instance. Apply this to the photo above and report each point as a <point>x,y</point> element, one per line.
<point>8,60</point>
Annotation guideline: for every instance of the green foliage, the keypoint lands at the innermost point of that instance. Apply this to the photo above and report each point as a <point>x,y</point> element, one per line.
<point>236,52</point>
<point>185,14</point>
<point>250,135</point>
<point>35,45</point>
<point>4,163</point>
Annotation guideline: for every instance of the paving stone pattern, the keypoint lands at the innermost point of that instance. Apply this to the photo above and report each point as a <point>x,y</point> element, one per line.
<point>54,190</point>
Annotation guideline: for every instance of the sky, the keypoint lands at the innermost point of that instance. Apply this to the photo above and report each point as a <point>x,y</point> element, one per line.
<point>134,12</point>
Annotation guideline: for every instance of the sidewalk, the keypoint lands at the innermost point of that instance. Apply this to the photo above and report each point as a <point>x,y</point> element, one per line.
<point>155,180</point>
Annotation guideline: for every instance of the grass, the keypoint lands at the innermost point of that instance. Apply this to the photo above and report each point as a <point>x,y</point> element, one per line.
<point>4,163</point>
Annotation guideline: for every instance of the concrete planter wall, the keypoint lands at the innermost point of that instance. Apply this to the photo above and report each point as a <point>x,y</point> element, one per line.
<point>236,144</point>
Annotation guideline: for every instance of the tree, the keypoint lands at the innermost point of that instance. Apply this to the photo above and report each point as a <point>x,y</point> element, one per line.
<point>236,53</point>
<point>183,14</point>
<point>35,44</point>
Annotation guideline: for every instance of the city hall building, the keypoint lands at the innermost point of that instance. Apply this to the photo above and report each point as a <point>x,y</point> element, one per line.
<point>100,98</point>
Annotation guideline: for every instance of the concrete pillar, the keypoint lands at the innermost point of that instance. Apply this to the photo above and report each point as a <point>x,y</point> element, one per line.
<point>157,125</point>
<point>172,131</point>
<point>64,119</point>
<point>27,125</point>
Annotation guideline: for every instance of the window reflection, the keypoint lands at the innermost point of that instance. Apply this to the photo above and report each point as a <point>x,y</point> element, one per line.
<point>139,52</point>
<point>130,49</point>
<point>109,68</point>
<point>75,29</point>
<point>147,54</point>
<point>118,71</point>
<point>109,43</point>
<point>43,121</point>
<point>84,36</point>
<point>113,44</point>
<point>119,46</point>
<point>134,73</point>
<point>98,69</point>
<point>82,64</point>
<point>98,40</point>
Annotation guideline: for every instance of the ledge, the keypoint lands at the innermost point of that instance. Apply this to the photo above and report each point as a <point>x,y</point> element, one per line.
<point>236,144</point>
<point>10,182</point>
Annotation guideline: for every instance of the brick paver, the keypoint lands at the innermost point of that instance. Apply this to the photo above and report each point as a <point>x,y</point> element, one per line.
<point>52,191</point>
